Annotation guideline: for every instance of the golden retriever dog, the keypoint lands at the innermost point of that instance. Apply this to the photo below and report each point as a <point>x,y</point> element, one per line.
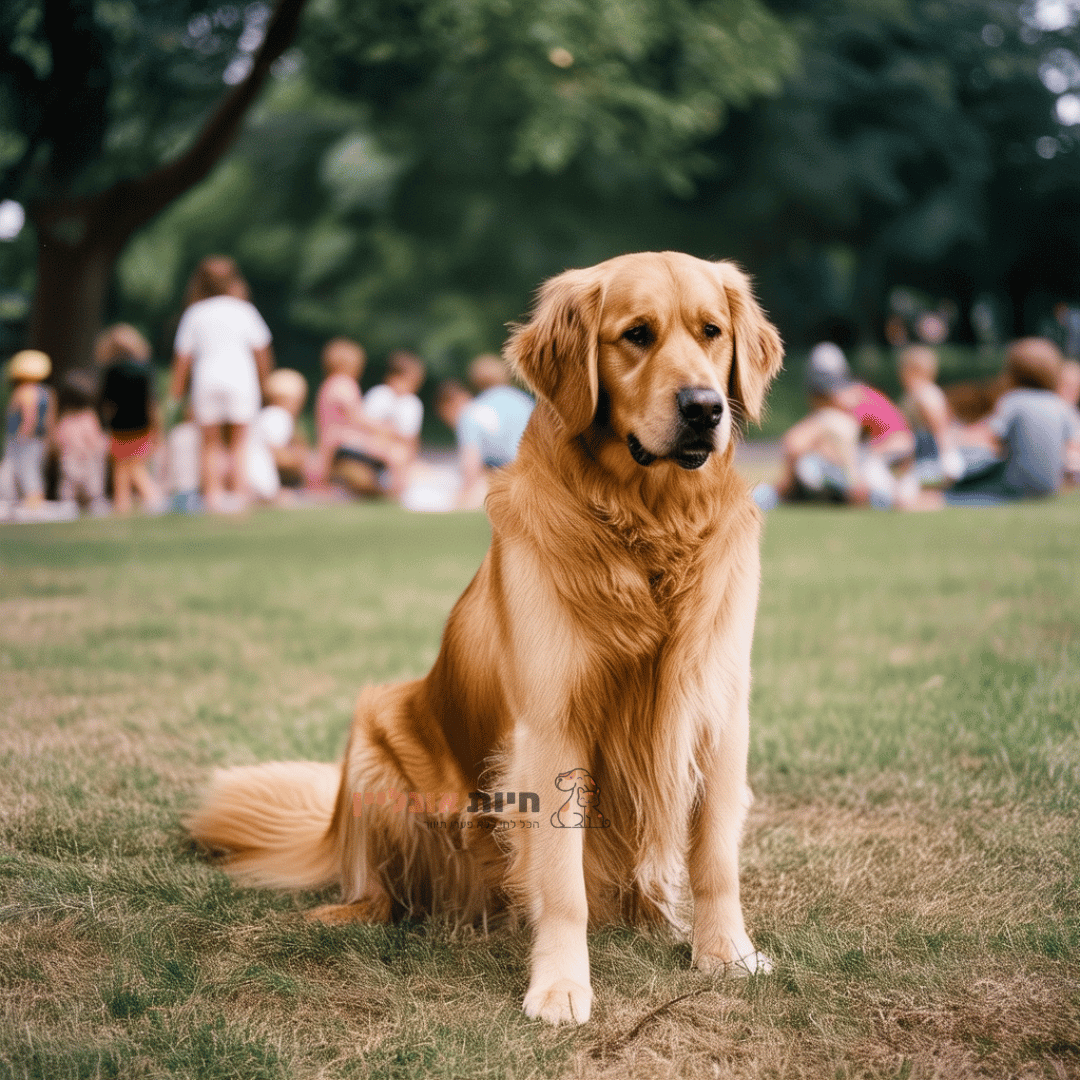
<point>578,752</point>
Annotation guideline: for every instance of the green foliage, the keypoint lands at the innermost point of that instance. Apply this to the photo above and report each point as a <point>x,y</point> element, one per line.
<point>568,80</point>
<point>908,143</point>
<point>94,91</point>
<point>518,133</point>
<point>415,171</point>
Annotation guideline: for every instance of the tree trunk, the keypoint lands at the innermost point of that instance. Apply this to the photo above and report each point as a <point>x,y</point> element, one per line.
<point>75,263</point>
<point>79,240</point>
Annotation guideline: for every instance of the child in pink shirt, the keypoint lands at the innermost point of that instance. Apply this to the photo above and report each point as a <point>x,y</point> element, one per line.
<point>881,422</point>
<point>850,442</point>
<point>351,451</point>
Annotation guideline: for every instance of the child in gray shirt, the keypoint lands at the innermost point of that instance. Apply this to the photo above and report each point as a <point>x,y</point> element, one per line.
<point>1031,427</point>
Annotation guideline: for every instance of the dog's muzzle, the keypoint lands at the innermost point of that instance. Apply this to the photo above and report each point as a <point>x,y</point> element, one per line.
<point>700,412</point>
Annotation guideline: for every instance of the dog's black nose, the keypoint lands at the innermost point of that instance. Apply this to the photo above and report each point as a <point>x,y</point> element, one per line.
<point>700,407</point>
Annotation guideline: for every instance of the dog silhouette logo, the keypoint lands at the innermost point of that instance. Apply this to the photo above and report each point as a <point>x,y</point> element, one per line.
<point>581,809</point>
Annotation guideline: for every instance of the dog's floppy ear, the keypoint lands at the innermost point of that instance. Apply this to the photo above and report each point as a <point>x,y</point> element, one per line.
<point>555,352</point>
<point>759,352</point>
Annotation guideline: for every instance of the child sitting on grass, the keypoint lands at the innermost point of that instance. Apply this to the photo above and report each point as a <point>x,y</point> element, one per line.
<point>487,428</point>
<point>287,389</point>
<point>271,447</point>
<point>393,406</point>
<point>1032,429</point>
<point>847,447</point>
<point>352,452</point>
<point>937,456</point>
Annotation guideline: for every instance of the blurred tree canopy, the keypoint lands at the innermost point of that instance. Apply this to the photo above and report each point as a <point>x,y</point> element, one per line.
<point>412,170</point>
<point>920,144</point>
<point>402,148</point>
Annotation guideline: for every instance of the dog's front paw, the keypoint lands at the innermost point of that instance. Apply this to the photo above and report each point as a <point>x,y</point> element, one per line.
<point>752,963</point>
<point>562,1002</point>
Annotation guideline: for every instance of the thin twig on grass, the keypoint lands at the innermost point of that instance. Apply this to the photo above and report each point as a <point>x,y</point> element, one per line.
<point>621,1042</point>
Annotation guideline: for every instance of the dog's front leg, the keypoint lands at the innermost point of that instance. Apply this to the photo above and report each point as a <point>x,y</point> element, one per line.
<point>551,878</point>
<point>559,986</point>
<point>720,941</point>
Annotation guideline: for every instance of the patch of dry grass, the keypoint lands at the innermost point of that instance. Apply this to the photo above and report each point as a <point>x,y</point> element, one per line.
<point>912,862</point>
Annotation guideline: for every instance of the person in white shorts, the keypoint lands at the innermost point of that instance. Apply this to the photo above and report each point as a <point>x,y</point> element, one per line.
<point>223,345</point>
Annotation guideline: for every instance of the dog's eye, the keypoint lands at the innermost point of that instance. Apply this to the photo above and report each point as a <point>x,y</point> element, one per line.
<point>639,335</point>
<point>711,330</point>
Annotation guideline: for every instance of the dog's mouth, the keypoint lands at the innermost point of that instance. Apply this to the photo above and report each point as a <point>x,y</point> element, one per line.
<point>692,457</point>
<point>638,452</point>
<point>686,457</point>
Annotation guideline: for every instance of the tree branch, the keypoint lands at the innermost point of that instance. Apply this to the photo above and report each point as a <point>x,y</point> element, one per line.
<point>131,203</point>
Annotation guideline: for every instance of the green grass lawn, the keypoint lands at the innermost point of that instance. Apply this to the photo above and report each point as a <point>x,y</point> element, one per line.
<point>912,862</point>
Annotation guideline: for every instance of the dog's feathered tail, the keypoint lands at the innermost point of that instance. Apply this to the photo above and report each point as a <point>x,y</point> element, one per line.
<point>271,823</point>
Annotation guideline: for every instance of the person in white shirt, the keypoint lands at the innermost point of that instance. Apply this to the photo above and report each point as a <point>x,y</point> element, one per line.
<point>223,346</point>
<point>394,408</point>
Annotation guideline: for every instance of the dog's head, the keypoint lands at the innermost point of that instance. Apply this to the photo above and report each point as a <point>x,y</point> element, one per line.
<point>659,349</point>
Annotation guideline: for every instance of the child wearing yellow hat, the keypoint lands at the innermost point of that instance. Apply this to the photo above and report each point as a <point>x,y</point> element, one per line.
<point>31,414</point>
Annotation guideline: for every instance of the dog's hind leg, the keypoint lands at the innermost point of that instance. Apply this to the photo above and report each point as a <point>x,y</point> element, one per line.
<point>359,826</point>
<point>391,862</point>
<point>373,908</point>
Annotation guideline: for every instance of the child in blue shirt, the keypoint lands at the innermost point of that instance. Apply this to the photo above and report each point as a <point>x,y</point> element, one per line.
<point>31,415</point>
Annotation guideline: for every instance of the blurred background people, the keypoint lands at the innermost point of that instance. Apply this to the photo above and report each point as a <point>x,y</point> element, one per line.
<point>129,410</point>
<point>223,347</point>
<point>81,443</point>
<point>1033,431</point>
<point>271,447</point>
<point>849,445</point>
<point>352,452</point>
<point>1068,386</point>
<point>289,391</point>
<point>29,423</point>
<point>183,472</point>
<point>937,456</point>
<point>488,371</point>
<point>487,428</point>
<point>1068,389</point>
<point>394,408</point>
<point>1068,316</point>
